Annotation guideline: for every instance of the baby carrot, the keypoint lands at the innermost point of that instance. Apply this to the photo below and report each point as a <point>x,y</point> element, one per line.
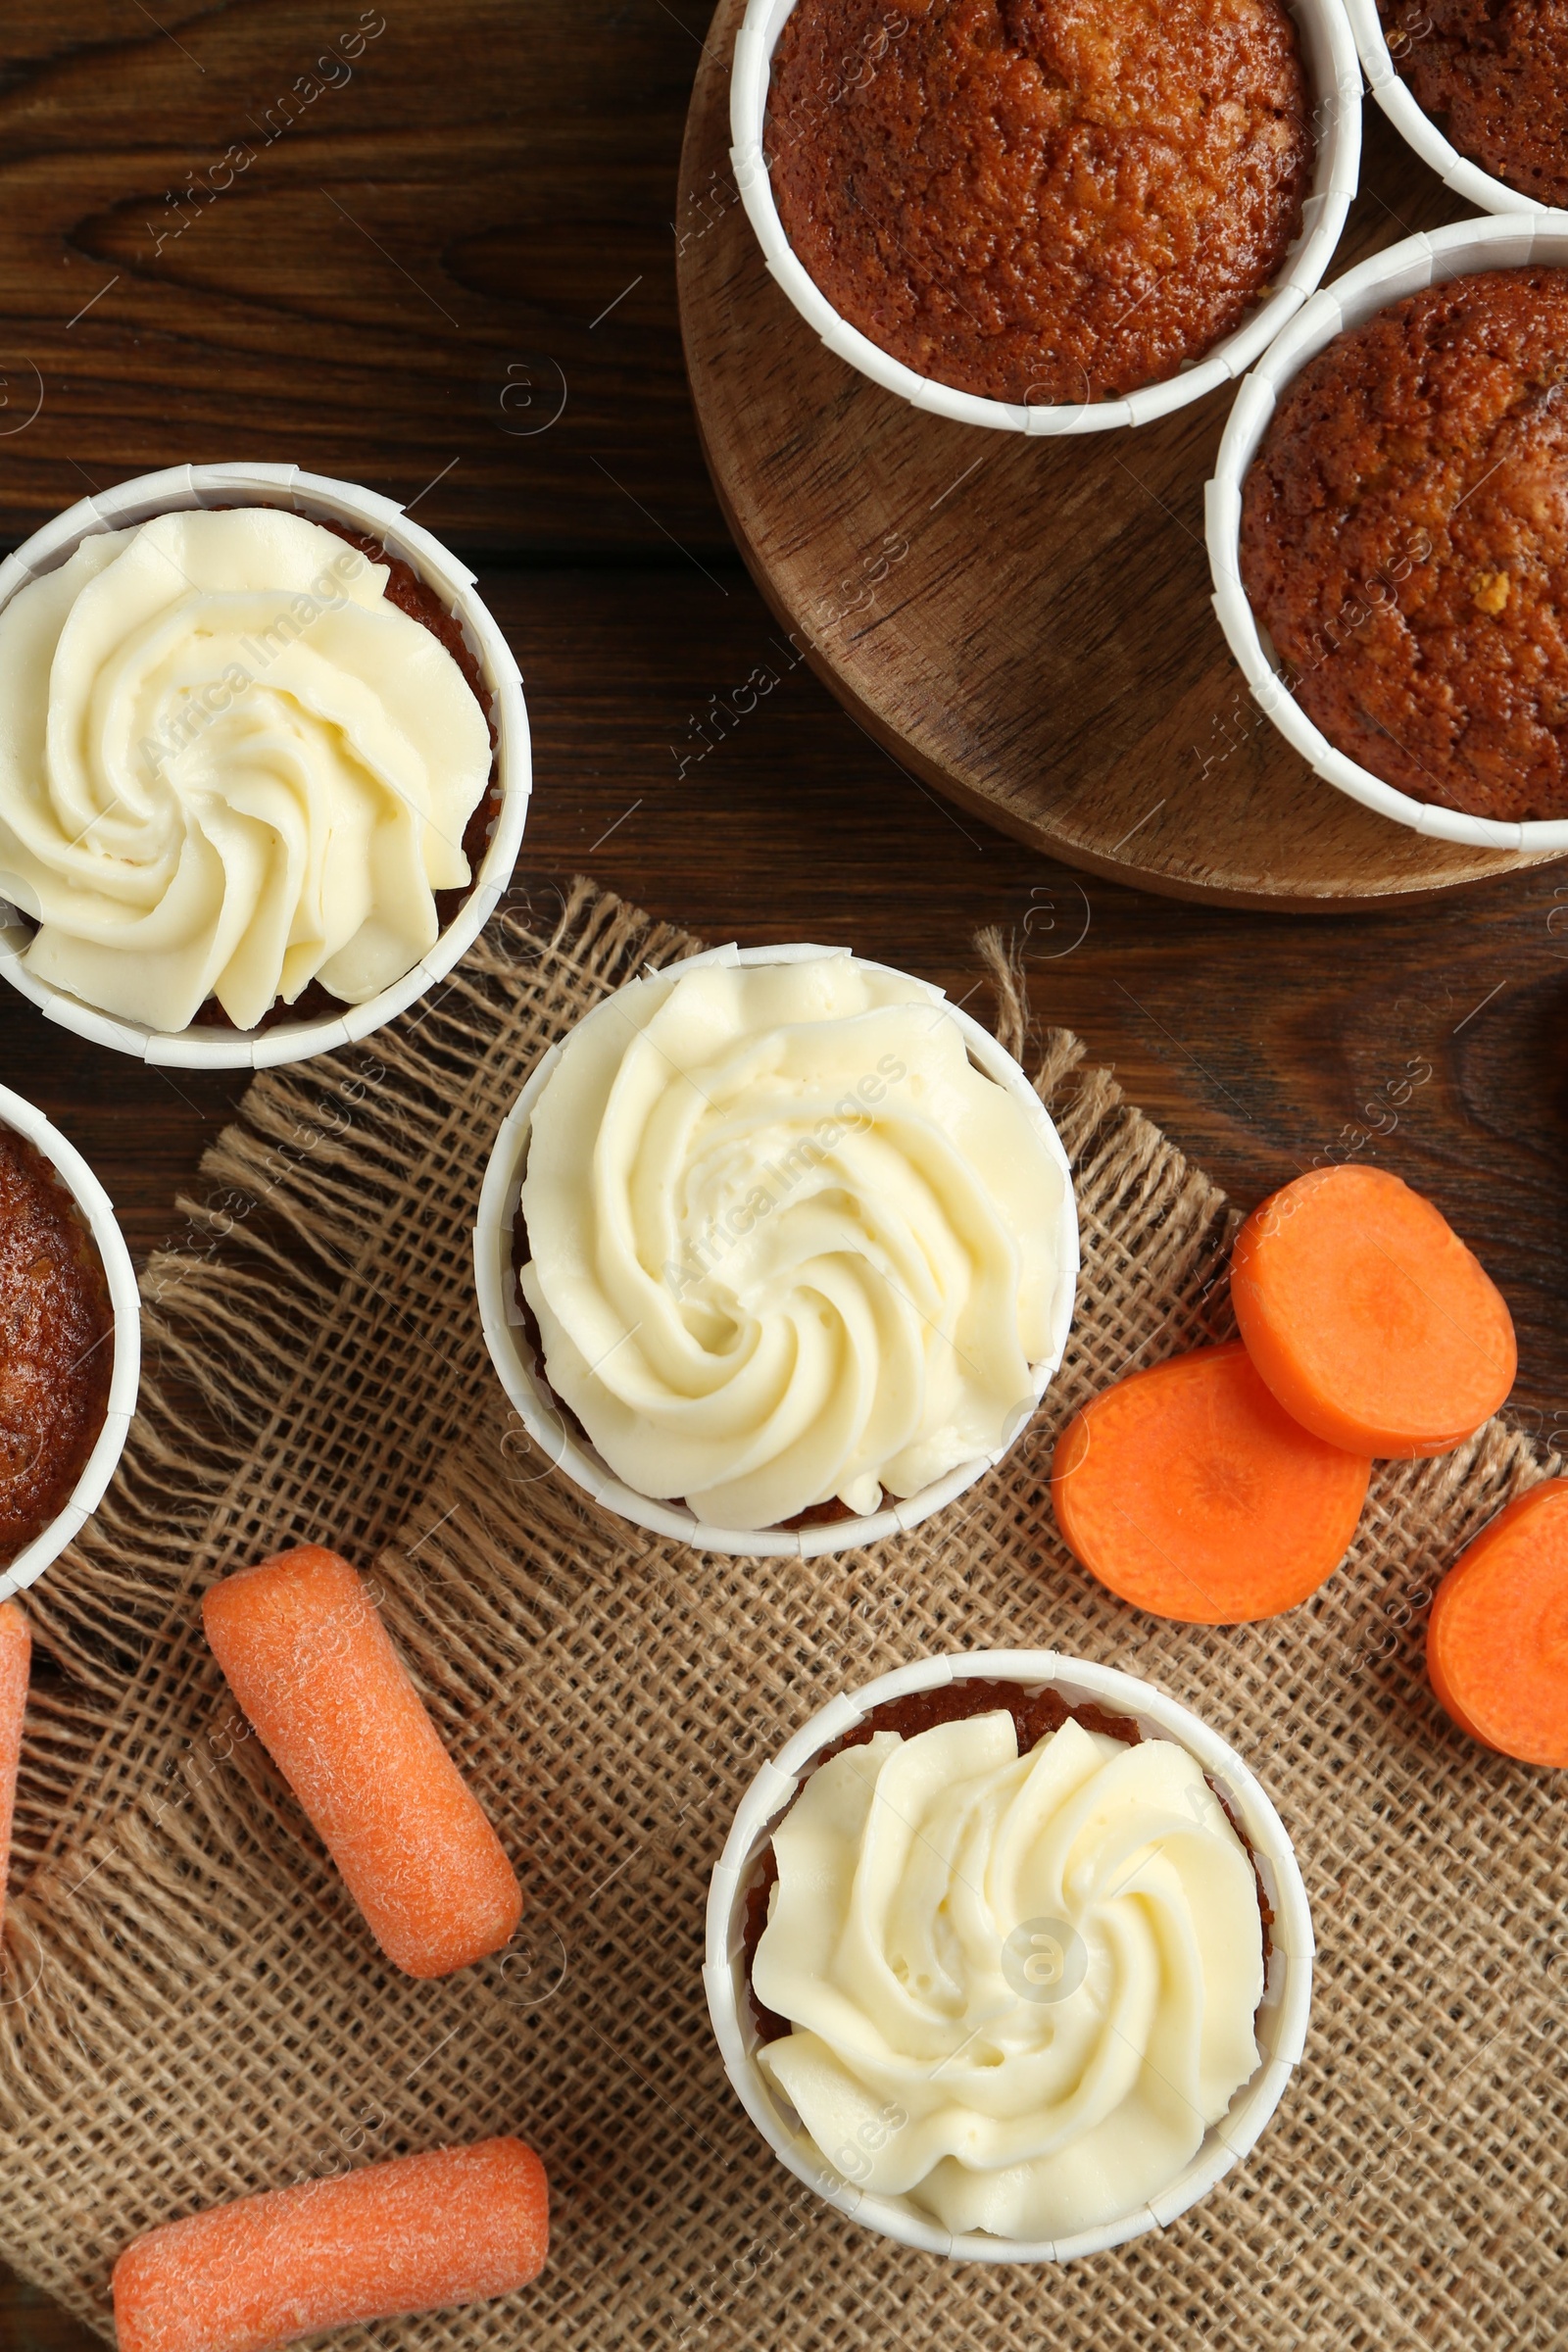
<point>421,2233</point>
<point>1191,1494</point>
<point>1498,1635</point>
<point>310,1662</point>
<point>16,1659</point>
<point>1368,1317</point>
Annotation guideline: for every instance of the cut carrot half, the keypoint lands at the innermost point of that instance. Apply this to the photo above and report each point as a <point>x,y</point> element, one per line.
<point>1498,1637</point>
<point>1192,1493</point>
<point>1368,1317</point>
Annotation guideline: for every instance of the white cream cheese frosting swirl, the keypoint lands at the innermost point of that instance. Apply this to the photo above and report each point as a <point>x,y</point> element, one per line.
<point>228,765</point>
<point>787,1242</point>
<point>1020,1989</point>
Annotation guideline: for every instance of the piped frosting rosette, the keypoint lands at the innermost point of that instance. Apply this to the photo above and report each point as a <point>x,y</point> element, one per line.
<point>787,1243</point>
<point>1020,1989</point>
<point>228,765</point>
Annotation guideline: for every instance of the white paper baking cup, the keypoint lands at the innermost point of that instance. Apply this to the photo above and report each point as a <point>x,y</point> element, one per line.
<point>1417,129</point>
<point>522,1376</point>
<point>1334,82</point>
<point>315,494</point>
<point>1281,2019</point>
<point>95,1205</point>
<point>1500,242</point>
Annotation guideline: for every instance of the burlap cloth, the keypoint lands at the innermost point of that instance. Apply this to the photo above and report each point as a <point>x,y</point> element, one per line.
<point>193,2009</point>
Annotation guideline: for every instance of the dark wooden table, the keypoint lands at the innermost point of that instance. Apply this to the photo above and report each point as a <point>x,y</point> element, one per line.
<point>446,270</point>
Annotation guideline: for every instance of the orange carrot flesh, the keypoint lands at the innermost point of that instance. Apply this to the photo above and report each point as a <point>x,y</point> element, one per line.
<point>15,1664</point>
<point>310,1664</point>
<point>1188,1491</point>
<point>421,2233</point>
<point>1498,1635</point>
<point>1368,1317</point>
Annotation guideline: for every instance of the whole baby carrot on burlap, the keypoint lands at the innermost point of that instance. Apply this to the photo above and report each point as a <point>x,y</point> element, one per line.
<point>310,1662</point>
<point>421,2233</point>
<point>15,1662</point>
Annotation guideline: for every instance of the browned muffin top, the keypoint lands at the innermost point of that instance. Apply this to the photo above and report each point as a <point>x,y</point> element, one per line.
<point>1404,539</point>
<point>1040,200</point>
<point>56,1344</point>
<point>1491,73</point>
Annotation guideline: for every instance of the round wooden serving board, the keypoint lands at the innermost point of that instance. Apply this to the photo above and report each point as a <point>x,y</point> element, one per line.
<point>1024,624</point>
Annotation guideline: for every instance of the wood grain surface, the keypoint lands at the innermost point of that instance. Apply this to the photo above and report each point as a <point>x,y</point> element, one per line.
<point>510,171</point>
<point>1025,624</point>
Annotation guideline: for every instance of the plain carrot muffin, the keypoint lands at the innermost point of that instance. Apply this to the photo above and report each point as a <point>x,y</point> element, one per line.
<point>1040,200</point>
<point>1491,77</point>
<point>1404,540</point>
<point>57,1325</point>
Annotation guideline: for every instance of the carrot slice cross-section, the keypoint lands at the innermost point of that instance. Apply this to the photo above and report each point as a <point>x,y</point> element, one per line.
<point>1191,1493</point>
<point>1498,1637</point>
<point>1368,1317</point>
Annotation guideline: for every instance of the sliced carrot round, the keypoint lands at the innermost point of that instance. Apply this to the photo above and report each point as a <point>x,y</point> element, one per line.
<point>1368,1317</point>
<point>1192,1493</point>
<point>1498,1637</point>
